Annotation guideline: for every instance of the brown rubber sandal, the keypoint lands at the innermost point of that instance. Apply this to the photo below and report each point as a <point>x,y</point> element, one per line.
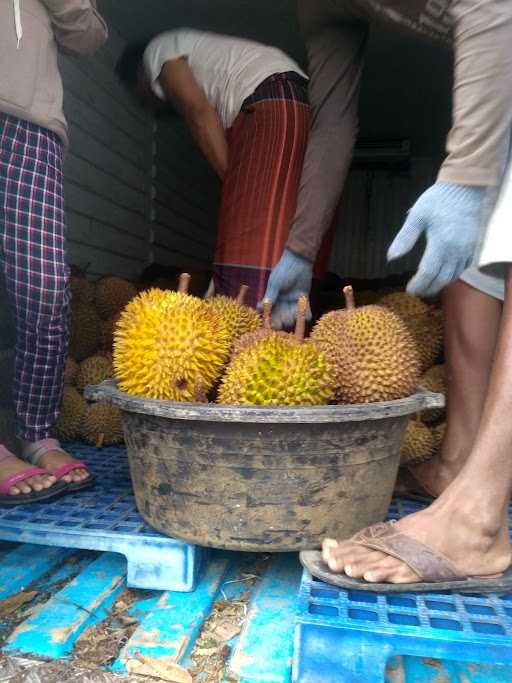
<point>436,571</point>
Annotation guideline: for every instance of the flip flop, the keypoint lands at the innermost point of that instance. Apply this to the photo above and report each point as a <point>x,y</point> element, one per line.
<point>408,486</point>
<point>54,491</point>
<point>74,486</point>
<point>436,571</point>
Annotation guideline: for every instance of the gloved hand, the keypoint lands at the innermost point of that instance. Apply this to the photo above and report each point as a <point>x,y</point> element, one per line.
<point>450,217</point>
<point>289,280</point>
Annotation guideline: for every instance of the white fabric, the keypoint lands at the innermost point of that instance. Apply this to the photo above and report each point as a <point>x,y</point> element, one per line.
<point>17,21</point>
<point>227,69</point>
<point>496,251</point>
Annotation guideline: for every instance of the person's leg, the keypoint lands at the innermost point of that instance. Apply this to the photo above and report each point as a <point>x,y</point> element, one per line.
<point>37,282</point>
<point>259,194</point>
<point>472,321</point>
<point>468,523</point>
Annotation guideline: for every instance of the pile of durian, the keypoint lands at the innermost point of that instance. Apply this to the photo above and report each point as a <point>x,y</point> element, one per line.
<point>174,346</point>
<point>95,310</point>
<point>425,431</point>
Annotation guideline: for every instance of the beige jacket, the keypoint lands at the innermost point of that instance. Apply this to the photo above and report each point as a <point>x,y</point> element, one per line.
<point>31,34</point>
<point>480,34</point>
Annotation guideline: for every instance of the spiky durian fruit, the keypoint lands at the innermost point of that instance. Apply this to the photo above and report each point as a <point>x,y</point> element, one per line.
<point>84,331</point>
<point>427,331</point>
<point>404,304</point>
<point>107,329</point>
<point>373,356</point>
<point>72,410</point>
<point>238,318</point>
<point>419,444</point>
<point>265,330</point>
<point>70,372</point>
<point>102,425</point>
<point>169,345</point>
<point>82,290</point>
<point>433,380</point>
<point>279,371</point>
<point>112,295</point>
<point>94,370</point>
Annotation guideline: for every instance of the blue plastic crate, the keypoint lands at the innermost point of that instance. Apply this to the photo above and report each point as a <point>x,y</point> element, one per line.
<point>349,636</point>
<point>105,518</point>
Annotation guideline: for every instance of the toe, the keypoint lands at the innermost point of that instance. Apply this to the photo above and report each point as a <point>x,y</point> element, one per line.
<point>390,570</point>
<point>328,545</point>
<point>358,567</point>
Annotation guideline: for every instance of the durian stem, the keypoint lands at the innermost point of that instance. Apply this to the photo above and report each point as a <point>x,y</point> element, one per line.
<point>100,440</point>
<point>184,283</point>
<point>348,293</point>
<point>267,314</point>
<point>300,325</point>
<point>241,294</point>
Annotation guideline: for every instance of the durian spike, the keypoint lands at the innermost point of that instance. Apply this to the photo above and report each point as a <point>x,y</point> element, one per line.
<point>348,293</point>
<point>300,325</point>
<point>184,282</point>
<point>241,294</point>
<point>267,314</point>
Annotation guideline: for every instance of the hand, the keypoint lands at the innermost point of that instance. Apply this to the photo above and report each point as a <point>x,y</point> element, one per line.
<point>450,217</point>
<point>289,280</point>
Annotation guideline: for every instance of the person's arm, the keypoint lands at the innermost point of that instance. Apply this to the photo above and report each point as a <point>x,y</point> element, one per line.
<point>482,92</point>
<point>78,27</point>
<point>180,86</point>
<point>336,52</point>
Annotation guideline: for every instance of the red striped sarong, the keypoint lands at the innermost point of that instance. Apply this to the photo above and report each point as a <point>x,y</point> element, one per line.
<point>267,143</point>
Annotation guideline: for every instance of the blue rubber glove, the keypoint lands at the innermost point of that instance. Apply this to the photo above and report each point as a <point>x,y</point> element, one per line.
<point>450,217</point>
<point>289,280</point>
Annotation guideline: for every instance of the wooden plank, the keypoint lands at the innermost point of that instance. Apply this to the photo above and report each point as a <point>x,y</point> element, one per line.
<point>87,203</point>
<point>85,174</point>
<point>172,240</point>
<point>86,147</point>
<point>205,214</point>
<point>105,237</point>
<point>54,628</point>
<point>173,258</point>
<point>91,94</point>
<point>102,262</point>
<point>105,132</point>
<point>183,224</point>
<point>25,564</point>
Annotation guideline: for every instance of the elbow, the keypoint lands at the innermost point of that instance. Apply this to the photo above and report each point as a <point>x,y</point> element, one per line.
<point>84,43</point>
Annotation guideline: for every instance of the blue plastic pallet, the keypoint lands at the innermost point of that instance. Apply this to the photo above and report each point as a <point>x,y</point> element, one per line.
<point>105,518</point>
<point>350,636</point>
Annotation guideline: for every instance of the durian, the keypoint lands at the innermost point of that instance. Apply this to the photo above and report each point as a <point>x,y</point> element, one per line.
<point>94,370</point>
<point>70,372</point>
<point>427,331</point>
<point>238,318</point>
<point>404,304</point>
<point>84,332</point>
<point>107,329</point>
<point>102,425</point>
<point>112,295</point>
<point>265,330</point>
<point>419,444</point>
<point>433,380</point>
<point>279,371</point>
<point>373,356</point>
<point>169,345</point>
<point>72,411</point>
<point>82,290</point>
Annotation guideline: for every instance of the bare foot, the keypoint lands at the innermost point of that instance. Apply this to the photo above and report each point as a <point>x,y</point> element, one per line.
<point>448,528</point>
<point>39,482</point>
<point>52,460</point>
<point>434,476</point>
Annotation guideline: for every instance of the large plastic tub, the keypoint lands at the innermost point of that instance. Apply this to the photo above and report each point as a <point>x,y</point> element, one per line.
<point>262,479</point>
